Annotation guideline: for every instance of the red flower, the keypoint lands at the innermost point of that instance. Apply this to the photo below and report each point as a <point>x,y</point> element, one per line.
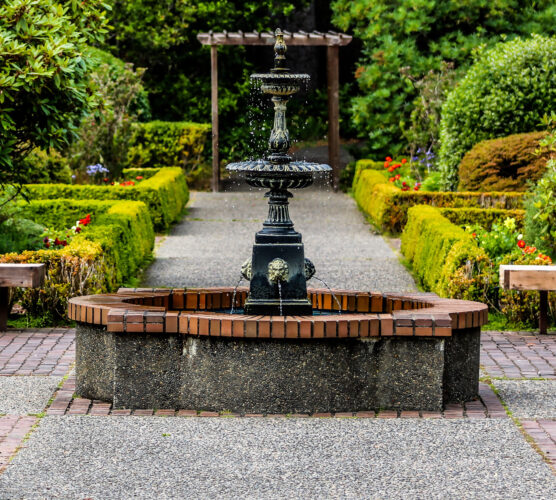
<point>388,158</point>
<point>77,229</point>
<point>404,160</point>
<point>86,220</point>
<point>416,187</point>
<point>112,183</point>
<point>392,179</point>
<point>405,188</point>
<point>105,179</point>
<point>47,244</point>
<point>397,177</point>
<point>474,235</point>
<point>57,242</point>
<point>64,243</point>
<point>386,164</point>
<point>397,165</point>
<point>139,177</point>
<point>520,243</point>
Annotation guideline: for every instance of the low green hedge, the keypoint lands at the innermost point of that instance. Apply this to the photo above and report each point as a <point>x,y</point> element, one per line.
<point>108,252</point>
<point>387,206</point>
<point>131,174</point>
<point>436,248</point>
<point>165,194</point>
<point>484,217</point>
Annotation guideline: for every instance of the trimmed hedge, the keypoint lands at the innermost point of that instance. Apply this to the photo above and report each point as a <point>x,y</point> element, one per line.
<point>436,248</point>
<point>505,164</point>
<point>160,144</point>
<point>387,206</point>
<point>131,174</point>
<point>484,217</point>
<point>107,253</point>
<point>165,194</point>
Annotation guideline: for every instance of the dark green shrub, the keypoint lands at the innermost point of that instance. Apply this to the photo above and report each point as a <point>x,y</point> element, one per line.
<point>105,136</point>
<point>421,35</point>
<point>46,166</point>
<point>506,91</point>
<point>44,75</point>
<point>181,144</point>
<point>484,217</point>
<point>165,194</point>
<point>504,164</point>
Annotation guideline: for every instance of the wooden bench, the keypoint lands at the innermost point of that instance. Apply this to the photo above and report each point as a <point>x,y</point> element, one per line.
<point>17,275</point>
<point>541,278</point>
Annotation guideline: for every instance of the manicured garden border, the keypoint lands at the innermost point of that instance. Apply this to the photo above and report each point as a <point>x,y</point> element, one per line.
<point>165,194</point>
<point>387,206</point>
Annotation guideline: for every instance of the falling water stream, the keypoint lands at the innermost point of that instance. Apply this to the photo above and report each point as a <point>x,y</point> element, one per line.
<point>234,295</point>
<point>330,290</point>
<point>280,295</point>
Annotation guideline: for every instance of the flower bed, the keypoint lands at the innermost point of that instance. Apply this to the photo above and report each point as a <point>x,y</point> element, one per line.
<point>463,263</point>
<point>100,257</point>
<point>165,193</point>
<point>387,205</point>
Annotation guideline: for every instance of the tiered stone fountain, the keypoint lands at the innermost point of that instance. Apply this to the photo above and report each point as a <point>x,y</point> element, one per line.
<point>286,349</point>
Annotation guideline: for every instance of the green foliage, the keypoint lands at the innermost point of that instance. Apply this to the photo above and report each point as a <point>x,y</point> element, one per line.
<point>44,75</point>
<point>78,269</point>
<point>483,217</point>
<point>432,182</point>
<point>506,91</point>
<point>165,194</point>
<point>436,248</point>
<point>387,206</point>
<point>447,260</point>
<point>161,36</point>
<point>504,164</point>
<point>540,221</point>
<point>44,166</point>
<point>105,136</point>
<point>421,35</point>
<point>158,144</point>
<point>108,252</point>
<point>18,234</point>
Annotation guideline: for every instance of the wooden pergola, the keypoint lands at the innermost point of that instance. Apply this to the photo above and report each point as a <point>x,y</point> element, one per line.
<point>331,40</point>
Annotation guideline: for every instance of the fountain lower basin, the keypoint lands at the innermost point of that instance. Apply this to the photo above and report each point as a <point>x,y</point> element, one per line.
<point>162,348</point>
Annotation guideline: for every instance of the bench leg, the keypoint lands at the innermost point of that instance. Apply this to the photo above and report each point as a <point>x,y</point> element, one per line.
<point>4,304</point>
<point>543,311</point>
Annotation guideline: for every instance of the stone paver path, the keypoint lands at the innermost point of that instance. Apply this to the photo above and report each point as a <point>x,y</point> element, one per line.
<point>84,449</point>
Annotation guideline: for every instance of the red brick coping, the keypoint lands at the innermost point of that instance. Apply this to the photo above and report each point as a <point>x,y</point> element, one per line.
<point>192,312</point>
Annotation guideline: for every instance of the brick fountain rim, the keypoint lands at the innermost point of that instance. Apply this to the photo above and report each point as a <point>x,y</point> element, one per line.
<point>197,312</point>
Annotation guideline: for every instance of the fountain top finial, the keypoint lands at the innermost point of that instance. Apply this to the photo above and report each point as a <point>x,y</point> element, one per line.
<point>280,49</point>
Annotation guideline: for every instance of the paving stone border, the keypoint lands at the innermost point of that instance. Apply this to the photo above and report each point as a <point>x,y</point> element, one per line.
<point>543,433</point>
<point>13,428</point>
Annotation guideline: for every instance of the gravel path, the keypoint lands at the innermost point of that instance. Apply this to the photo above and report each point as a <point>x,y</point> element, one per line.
<point>529,398</point>
<point>150,457</point>
<point>208,247</point>
<point>22,395</point>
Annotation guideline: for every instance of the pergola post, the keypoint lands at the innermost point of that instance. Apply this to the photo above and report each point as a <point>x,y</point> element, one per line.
<point>333,75</point>
<point>214,105</point>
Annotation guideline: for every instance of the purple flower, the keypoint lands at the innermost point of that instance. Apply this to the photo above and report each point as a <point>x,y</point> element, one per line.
<point>96,169</point>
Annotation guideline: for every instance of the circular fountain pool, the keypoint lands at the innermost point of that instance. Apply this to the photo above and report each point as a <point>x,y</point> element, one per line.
<point>162,348</point>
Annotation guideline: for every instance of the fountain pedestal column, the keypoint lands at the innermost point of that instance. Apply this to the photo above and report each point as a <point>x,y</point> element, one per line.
<point>278,282</point>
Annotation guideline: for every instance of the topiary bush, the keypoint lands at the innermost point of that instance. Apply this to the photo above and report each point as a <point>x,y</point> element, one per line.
<point>506,91</point>
<point>159,144</point>
<point>504,164</point>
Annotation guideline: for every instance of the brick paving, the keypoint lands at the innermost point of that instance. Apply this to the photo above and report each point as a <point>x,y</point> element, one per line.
<point>44,351</point>
<point>518,355</point>
<point>543,433</point>
<point>13,428</point>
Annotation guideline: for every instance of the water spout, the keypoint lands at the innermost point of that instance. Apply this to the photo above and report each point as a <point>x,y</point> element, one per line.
<point>234,294</point>
<point>332,293</point>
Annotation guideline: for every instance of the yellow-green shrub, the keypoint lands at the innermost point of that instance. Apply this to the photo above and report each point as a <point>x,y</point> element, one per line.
<point>78,269</point>
<point>484,217</point>
<point>387,206</point>
<point>165,194</point>
<point>436,248</point>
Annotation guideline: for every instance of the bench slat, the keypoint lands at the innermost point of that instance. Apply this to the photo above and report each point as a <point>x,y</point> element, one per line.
<point>22,275</point>
<point>528,277</point>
